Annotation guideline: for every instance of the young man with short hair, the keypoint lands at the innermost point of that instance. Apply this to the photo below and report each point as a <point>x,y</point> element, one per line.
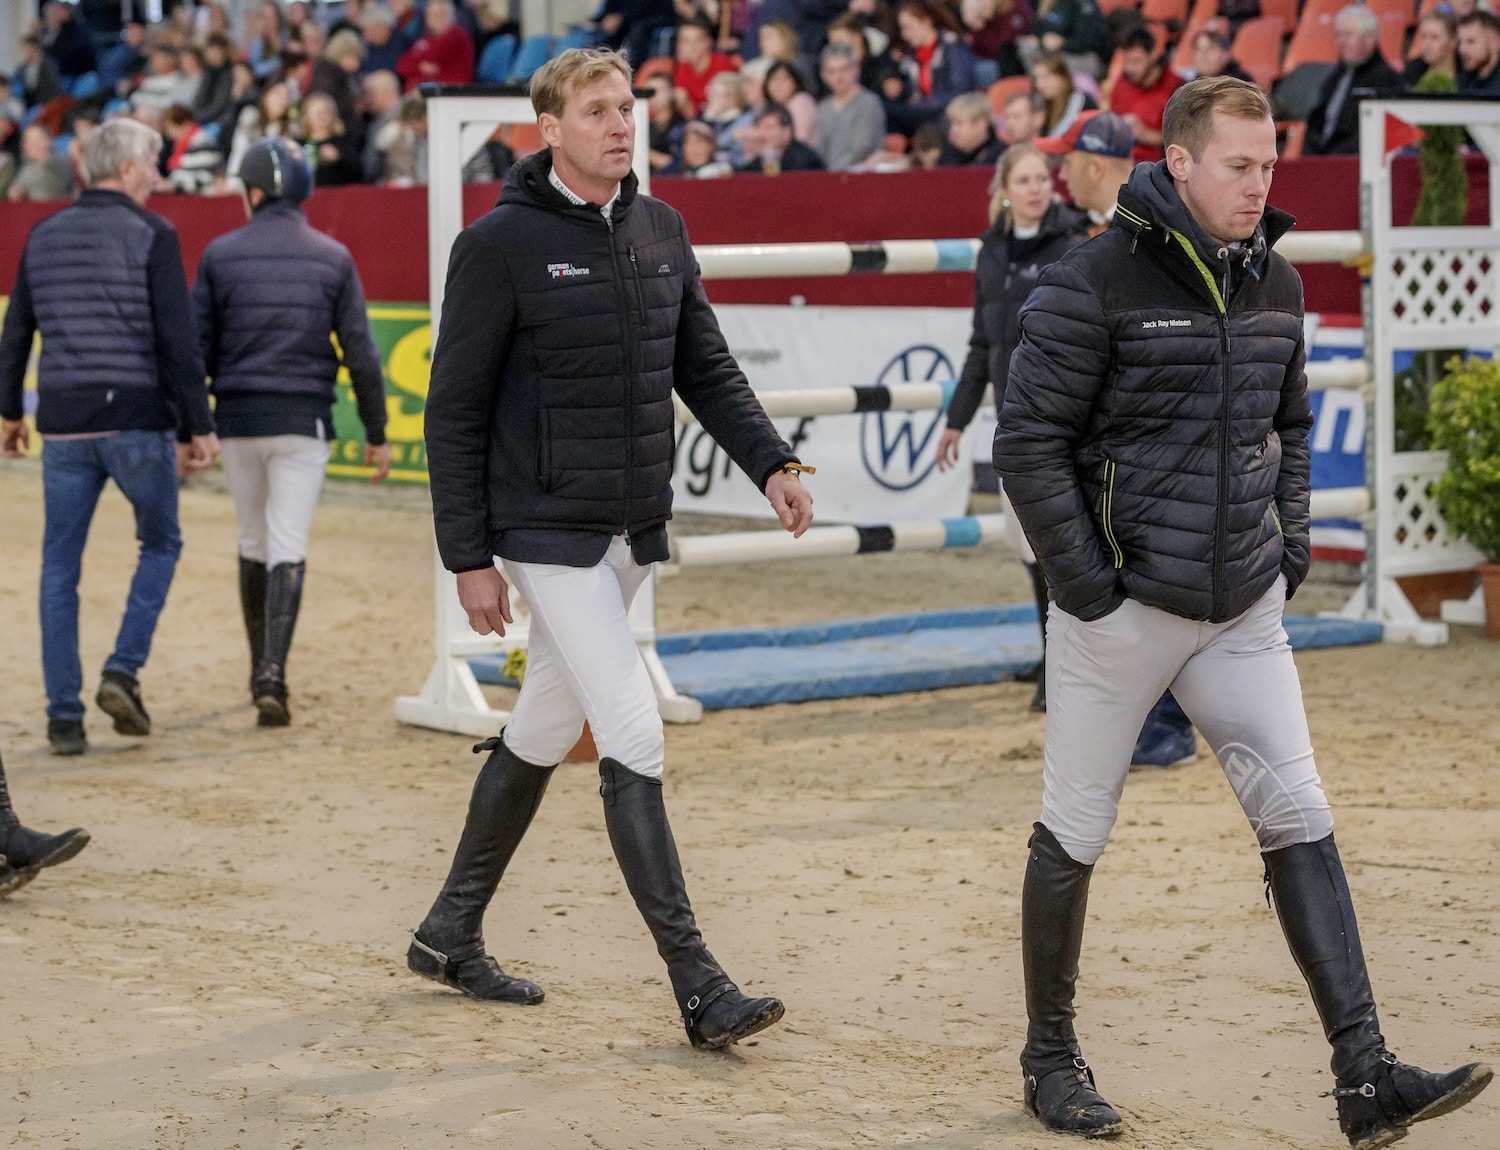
<point>1479,54</point>
<point>1154,444</point>
<point>572,312</point>
<point>1141,93</point>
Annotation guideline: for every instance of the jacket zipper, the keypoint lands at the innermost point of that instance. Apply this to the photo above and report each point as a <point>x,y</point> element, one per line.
<point>1106,514</point>
<point>635,273</point>
<point>624,310</point>
<point>1222,503</point>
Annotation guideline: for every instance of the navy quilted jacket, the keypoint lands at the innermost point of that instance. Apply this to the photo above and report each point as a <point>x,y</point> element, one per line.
<point>1154,434</point>
<point>268,297</point>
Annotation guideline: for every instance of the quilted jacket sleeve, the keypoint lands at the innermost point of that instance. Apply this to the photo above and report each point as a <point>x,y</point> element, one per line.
<point>1056,374</point>
<point>1294,482</point>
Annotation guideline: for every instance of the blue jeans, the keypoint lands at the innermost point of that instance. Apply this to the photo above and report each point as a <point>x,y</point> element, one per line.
<point>143,465</point>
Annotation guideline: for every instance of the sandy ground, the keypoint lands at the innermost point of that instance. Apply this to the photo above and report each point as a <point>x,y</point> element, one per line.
<point>223,967</point>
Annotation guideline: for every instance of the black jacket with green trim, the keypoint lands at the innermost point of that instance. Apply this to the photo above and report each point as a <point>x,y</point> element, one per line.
<point>1154,436</point>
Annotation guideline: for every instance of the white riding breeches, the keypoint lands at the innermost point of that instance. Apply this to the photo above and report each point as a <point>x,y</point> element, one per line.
<point>582,663</point>
<point>275,481</point>
<point>1236,680</point>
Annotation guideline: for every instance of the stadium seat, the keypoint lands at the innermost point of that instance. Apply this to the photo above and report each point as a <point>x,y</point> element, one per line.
<point>534,52</point>
<point>1003,89</point>
<point>1202,14</point>
<point>655,66</point>
<point>523,139</point>
<point>496,60</point>
<point>1108,6</point>
<point>1313,42</point>
<point>576,38</point>
<point>1296,132</point>
<point>85,86</point>
<point>1257,49</point>
<point>1289,11</point>
<point>1167,12</point>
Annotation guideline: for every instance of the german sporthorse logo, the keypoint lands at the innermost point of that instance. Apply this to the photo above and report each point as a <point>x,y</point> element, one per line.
<point>565,271</point>
<point>898,447</point>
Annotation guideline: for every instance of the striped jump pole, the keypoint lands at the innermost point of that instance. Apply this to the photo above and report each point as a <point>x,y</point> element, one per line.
<point>934,395</point>
<point>929,535</point>
<point>829,542</point>
<point>917,257</point>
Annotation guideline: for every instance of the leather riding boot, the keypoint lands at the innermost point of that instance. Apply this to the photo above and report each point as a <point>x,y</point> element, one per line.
<point>1058,1084</point>
<point>449,945</point>
<point>253,604</point>
<point>1377,1096</point>
<point>714,1011</point>
<point>268,683</point>
<point>24,852</point>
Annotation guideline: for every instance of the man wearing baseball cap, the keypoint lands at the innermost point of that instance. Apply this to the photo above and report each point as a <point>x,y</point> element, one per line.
<point>268,297</point>
<point>1096,161</point>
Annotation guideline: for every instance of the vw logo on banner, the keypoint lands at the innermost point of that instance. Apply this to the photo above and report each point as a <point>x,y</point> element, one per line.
<point>894,444</point>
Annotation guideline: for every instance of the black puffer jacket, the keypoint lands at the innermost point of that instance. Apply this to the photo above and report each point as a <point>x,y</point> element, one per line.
<point>549,415</point>
<point>1153,442</point>
<point>1004,275</point>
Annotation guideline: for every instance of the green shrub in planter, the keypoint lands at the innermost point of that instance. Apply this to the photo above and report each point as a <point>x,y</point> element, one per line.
<point>1463,419</point>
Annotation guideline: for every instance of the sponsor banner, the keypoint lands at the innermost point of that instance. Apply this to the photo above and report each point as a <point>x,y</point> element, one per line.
<point>875,467</point>
<point>403,335</point>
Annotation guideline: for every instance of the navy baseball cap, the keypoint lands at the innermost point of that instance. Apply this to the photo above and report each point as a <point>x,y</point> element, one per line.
<point>1097,133</point>
<point>279,169</point>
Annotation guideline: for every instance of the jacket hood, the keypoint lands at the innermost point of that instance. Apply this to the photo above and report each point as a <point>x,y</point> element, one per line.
<point>527,183</point>
<point>1149,204</point>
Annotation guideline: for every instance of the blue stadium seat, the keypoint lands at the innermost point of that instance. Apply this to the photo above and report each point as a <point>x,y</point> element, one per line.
<point>577,38</point>
<point>496,59</point>
<point>86,85</point>
<point>533,54</point>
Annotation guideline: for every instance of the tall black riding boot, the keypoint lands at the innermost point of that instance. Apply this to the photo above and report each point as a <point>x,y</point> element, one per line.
<point>449,945</point>
<point>1058,1084</point>
<point>1038,673</point>
<point>1378,1097</point>
<point>268,682</point>
<point>253,604</point>
<point>24,852</point>
<point>714,1011</point>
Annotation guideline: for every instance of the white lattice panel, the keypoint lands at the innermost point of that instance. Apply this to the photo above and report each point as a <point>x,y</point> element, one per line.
<point>1449,288</point>
<point>1415,537</point>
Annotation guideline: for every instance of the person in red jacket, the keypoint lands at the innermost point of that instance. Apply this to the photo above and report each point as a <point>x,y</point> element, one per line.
<point>1141,93</point>
<point>697,64</point>
<point>443,55</point>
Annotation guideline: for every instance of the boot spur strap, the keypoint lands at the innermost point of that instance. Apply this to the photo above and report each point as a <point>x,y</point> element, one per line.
<point>450,961</point>
<point>698,1003</point>
<point>491,744</point>
<point>1367,1090</point>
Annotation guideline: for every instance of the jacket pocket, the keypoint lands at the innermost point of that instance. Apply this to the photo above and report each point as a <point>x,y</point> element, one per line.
<point>544,449</point>
<point>1106,512</point>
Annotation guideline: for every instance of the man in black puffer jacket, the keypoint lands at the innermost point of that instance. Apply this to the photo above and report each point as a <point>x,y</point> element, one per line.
<point>572,312</point>
<point>1154,444</point>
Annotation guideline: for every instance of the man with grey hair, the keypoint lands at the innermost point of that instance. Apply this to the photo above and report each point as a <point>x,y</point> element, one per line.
<point>851,118</point>
<point>383,44</point>
<point>1333,125</point>
<point>102,282</point>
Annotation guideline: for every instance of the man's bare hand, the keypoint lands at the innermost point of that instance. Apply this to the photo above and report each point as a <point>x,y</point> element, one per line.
<point>947,449</point>
<point>485,598</point>
<point>792,502</point>
<point>380,459</point>
<point>196,455</point>
<point>15,438</point>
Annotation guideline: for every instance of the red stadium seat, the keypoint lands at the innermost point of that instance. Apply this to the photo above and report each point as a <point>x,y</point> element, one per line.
<point>1108,6</point>
<point>1289,11</point>
<point>656,66</point>
<point>1257,49</point>
<point>1202,14</point>
<point>1003,89</point>
<point>1313,42</point>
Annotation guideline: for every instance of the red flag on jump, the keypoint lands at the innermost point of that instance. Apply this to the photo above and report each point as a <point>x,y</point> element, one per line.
<point>1399,134</point>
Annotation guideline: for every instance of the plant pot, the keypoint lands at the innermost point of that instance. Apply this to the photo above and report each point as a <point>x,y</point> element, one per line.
<point>1489,579</point>
<point>1427,593</point>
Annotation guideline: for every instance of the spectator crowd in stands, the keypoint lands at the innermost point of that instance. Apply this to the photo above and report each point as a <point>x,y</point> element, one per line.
<point>737,86</point>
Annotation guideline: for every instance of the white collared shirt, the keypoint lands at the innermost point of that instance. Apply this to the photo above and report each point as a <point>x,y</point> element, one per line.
<point>578,201</point>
